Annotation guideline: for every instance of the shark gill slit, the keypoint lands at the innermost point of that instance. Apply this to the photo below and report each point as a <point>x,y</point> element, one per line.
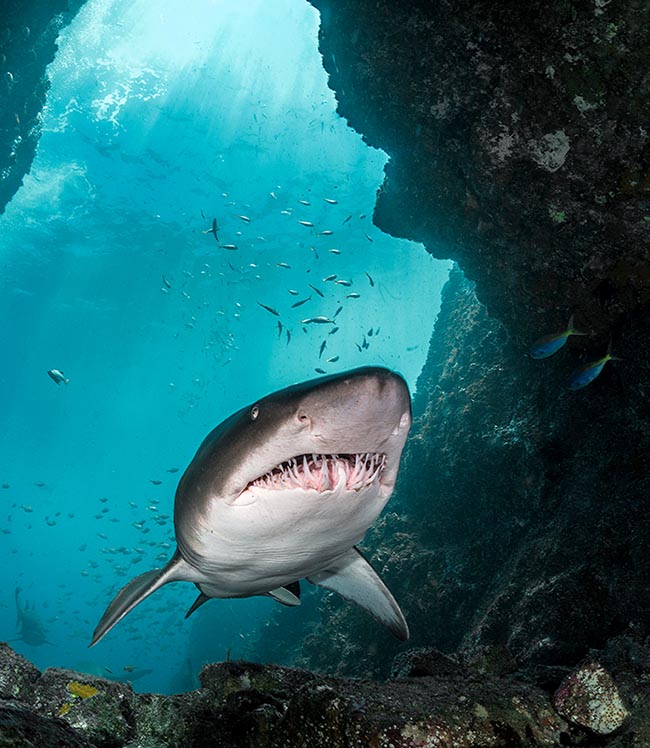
<point>323,472</point>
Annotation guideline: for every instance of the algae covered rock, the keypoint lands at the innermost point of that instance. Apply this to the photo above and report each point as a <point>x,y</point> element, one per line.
<point>21,728</point>
<point>589,697</point>
<point>98,708</point>
<point>17,675</point>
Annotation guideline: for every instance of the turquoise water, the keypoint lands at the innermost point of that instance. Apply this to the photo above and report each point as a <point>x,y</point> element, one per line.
<point>161,117</point>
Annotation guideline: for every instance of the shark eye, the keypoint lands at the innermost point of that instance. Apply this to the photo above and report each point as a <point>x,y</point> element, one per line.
<point>255,411</point>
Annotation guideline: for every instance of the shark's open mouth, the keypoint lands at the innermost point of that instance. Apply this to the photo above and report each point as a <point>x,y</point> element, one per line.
<point>324,472</point>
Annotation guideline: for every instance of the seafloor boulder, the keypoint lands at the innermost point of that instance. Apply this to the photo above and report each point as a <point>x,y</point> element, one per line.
<point>431,702</point>
<point>246,704</point>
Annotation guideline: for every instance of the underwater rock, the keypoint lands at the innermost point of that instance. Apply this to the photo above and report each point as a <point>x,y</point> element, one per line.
<point>435,701</point>
<point>589,698</point>
<point>17,675</point>
<point>419,663</point>
<point>20,727</point>
<point>517,141</point>
<point>28,43</point>
<point>244,704</point>
<point>96,707</point>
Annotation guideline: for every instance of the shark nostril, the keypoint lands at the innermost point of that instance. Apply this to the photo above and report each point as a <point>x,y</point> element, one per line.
<point>303,418</point>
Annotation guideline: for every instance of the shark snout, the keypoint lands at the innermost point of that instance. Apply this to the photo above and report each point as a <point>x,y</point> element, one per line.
<point>358,413</point>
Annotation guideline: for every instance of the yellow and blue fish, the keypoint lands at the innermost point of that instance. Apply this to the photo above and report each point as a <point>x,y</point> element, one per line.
<point>550,344</point>
<point>586,374</point>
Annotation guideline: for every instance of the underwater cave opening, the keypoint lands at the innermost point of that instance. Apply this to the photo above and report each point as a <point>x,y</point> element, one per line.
<point>161,120</point>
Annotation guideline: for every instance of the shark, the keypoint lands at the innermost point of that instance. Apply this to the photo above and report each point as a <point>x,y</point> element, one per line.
<point>284,490</point>
<point>29,624</point>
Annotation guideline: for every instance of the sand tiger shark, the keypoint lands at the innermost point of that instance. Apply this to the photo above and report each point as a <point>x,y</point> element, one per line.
<point>283,490</point>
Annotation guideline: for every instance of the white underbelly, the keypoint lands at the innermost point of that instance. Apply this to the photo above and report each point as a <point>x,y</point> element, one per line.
<point>270,538</point>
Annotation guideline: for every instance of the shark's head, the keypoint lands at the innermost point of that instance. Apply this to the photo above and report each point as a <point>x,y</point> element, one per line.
<point>348,426</point>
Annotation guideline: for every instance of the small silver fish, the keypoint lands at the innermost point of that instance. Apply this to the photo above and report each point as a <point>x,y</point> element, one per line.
<point>58,376</point>
<point>337,312</point>
<point>331,201</point>
<point>333,359</point>
<point>283,265</point>
<point>228,246</point>
<point>245,219</point>
<point>322,348</point>
<point>301,302</point>
<point>166,282</point>
<point>317,321</point>
<point>269,309</point>
<point>353,296</point>
<point>293,292</point>
<point>333,330</point>
<point>327,232</point>
<point>342,282</point>
<point>335,251</point>
<point>329,278</point>
<point>304,202</point>
<point>318,291</point>
<point>372,282</point>
<point>318,370</point>
<point>309,224</point>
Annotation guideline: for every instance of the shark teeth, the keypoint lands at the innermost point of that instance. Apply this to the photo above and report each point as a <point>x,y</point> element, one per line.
<point>324,472</point>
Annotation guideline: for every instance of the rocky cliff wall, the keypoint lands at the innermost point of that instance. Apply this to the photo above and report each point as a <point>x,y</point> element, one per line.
<point>519,531</point>
<point>28,34</point>
<point>519,144</point>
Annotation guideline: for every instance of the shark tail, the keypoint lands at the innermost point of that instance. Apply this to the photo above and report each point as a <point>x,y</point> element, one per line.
<point>352,577</point>
<point>136,591</point>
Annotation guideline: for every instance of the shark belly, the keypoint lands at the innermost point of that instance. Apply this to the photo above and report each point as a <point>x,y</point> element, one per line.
<point>271,538</point>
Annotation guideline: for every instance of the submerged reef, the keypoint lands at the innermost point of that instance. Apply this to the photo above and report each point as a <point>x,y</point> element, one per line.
<point>430,700</point>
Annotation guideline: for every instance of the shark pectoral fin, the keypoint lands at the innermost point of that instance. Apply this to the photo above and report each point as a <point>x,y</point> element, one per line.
<point>285,596</point>
<point>352,577</point>
<point>197,604</point>
<point>136,591</point>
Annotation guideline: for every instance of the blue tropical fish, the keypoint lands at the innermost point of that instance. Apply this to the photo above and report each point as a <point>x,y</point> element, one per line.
<point>586,374</point>
<point>550,344</point>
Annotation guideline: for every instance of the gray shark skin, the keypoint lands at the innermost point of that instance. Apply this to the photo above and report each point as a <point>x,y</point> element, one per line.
<point>283,490</point>
<point>29,625</point>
